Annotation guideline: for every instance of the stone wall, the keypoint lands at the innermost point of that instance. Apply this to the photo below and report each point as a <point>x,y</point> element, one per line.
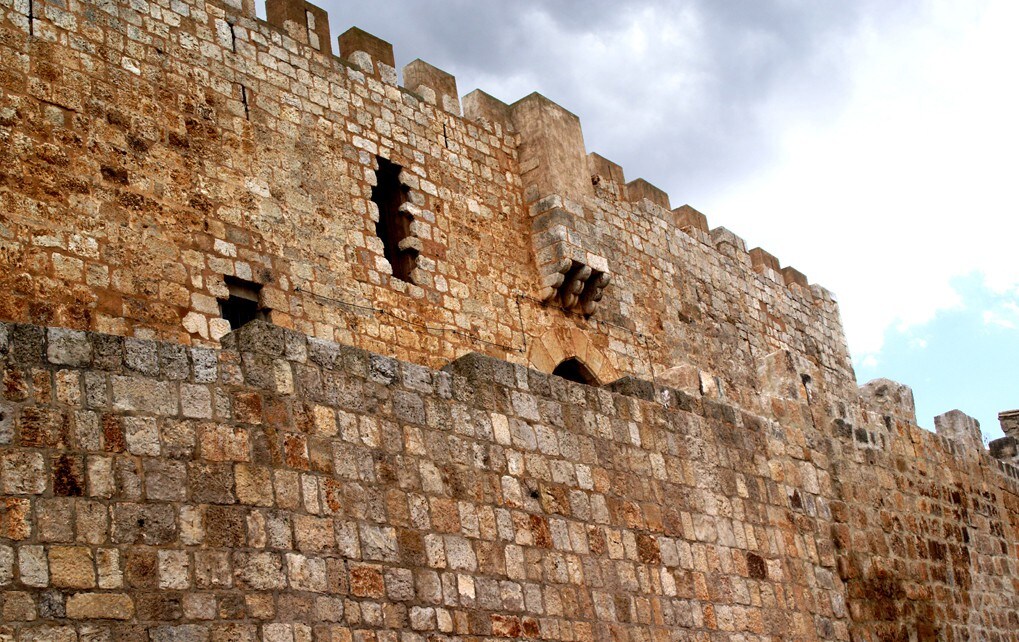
<point>286,488</point>
<point>162,477</point>
<point>154,149</point>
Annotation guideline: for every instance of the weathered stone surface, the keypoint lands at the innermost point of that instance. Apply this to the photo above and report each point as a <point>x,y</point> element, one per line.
<point>100,606</point>
<point>165,477</point>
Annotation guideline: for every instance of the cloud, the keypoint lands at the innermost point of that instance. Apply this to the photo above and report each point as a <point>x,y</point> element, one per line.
<point>1004,315</point>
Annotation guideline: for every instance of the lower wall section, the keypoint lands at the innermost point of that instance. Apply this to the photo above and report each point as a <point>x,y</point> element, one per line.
<point>286,489</point>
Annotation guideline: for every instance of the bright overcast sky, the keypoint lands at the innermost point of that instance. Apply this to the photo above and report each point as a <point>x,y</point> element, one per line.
<point>871,144</point>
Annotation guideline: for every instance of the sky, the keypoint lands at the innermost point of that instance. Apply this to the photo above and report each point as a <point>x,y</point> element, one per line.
<point>870,144</point>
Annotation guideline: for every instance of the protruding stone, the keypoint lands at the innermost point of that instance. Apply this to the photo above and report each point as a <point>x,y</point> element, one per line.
<point>891,398</point>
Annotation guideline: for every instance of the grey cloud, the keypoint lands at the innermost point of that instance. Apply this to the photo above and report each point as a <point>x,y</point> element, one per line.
<point>691,121</point>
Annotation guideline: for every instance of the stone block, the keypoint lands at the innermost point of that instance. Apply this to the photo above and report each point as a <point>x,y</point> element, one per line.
<point>22,473</point>
<point>143,395</point>
<point>72,567</point>
<point>100,606</point>
<point>68,347</point>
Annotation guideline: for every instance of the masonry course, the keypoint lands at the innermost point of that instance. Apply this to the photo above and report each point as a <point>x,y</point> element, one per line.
<point>390,456</point>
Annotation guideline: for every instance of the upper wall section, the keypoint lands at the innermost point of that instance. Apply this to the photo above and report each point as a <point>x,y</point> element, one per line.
<point>160,157</point>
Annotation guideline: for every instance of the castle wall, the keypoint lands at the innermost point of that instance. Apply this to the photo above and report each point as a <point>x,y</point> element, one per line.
<point>287,488</point>
<point>155,149</point>
<point>160,477</point>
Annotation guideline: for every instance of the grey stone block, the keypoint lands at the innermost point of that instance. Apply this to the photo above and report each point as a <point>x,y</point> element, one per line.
<point>142,355</point>
<point>68,347</point>
<point>28,344</point>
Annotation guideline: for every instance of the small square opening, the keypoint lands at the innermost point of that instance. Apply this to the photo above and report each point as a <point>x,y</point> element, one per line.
<point>243,304</point>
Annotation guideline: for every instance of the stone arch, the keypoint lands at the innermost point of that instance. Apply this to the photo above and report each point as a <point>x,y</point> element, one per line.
<point>558,345</point>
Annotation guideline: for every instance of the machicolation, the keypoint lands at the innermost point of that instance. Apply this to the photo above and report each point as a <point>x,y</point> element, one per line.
<point>292,351</point>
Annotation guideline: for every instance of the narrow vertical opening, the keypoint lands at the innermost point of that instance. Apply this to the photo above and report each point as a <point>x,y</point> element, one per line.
<point>243,303</point>
<point>31,17</point>
<point>233,37</point>
<point>574,370</point>
<point>393,227</point>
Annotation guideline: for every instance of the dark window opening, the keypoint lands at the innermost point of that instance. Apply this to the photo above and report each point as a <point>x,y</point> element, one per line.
<point>243,303</point>
<point>575,371</point>
<point>389,194</point>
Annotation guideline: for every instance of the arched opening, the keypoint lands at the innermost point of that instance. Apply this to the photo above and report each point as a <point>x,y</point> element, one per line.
<point>574,370</point>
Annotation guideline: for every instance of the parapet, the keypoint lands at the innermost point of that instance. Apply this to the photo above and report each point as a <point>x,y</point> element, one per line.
<point>1007,448</point>
<point>639,189</point>
<point>687,218</point>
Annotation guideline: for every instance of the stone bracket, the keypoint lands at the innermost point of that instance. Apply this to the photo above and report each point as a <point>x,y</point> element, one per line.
<point>572,275</point>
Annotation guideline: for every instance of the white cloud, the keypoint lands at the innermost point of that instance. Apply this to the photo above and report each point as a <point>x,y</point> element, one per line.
<point>992,317</point>
<point>912,184</point>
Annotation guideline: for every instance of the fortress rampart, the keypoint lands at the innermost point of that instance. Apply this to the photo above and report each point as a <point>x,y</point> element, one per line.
<point>278,364</point>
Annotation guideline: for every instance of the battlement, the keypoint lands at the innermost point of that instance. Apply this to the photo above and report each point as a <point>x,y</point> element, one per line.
<point>292,350</point>
<point>280,77</point>
<point>554,159</point>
